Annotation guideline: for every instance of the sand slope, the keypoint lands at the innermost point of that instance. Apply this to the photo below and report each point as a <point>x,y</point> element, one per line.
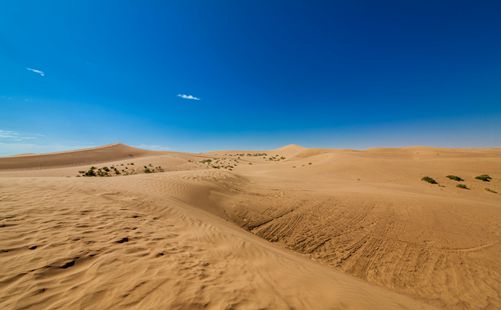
<point>72,244</point>
<point>219,234</point>
<point>101,154</point>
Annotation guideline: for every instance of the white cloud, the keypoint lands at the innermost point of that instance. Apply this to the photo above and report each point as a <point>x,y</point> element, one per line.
<point>40,72</point>
<point>10,135</point>
<point>9,149</point>
<point>189,97</point>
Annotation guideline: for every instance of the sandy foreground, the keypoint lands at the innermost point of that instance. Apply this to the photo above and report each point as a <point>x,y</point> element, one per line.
<point>290,228</point>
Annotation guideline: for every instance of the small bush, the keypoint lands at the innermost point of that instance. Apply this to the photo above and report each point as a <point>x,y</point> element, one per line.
<point>147,170</point>
<point>483,177</point>
<point>455,178</point>
<point>91,172</point>
<point>101,173</point>
<point>429,180</point>
<point>491,190</point>
<point>463,186</point>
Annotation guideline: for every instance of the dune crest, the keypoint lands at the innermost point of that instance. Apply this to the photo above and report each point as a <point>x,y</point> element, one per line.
<point>100,154</point>
<point>287,228</point>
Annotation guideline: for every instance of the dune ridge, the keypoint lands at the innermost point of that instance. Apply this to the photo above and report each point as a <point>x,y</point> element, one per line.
<point>288,229</point>
<point>100,154</point>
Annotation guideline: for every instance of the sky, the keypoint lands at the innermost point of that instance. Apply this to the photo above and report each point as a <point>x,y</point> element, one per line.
<point>206,75</point>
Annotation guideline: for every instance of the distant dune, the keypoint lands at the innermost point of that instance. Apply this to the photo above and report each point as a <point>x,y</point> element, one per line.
<point>293,227</point>
<point>105,153</point>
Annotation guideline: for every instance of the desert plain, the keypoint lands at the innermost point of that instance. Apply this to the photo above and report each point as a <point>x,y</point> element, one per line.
<point>119,227</point>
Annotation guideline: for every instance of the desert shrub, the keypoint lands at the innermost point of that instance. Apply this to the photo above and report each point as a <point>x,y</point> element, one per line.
<point>91,172</point>
<point>483,177</point>
<point>206,161</point>
<point>102,173</point>
<point>463,186</point>
<point>106,169</point>
<point>491,190</point>
<point>81,172</point>
<point>455,178</point>
<point>429,180</point>
<point>147,170</point>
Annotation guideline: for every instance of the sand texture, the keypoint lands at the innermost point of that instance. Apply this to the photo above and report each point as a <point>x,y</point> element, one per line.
<point>291,228</point>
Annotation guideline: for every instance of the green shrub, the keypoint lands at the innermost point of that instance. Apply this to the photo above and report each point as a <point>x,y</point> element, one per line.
<point>90,172</point>
<point>429,180</point>
<point>463,186</point>
<point>455,178</point>
<point>483,177</point>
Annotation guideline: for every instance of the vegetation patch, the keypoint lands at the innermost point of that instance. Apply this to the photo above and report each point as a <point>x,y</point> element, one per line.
<point>114,171</point>
<point>484,177</point>
<point>455,178</point>
<point>463,186</point>
<point>429,180</point>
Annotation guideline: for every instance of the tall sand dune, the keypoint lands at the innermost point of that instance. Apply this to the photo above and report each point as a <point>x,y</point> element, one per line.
<point>101,154</point>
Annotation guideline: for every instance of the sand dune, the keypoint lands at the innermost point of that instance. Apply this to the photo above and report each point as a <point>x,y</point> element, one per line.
<point>101,154</point>
<point>293,228</point>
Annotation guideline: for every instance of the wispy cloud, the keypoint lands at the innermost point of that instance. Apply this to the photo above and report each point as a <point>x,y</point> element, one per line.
<point>14,142</point>
<point>13,148</point>
<point>188,97</point>
<point>10,135</point>
<point>40,72</point>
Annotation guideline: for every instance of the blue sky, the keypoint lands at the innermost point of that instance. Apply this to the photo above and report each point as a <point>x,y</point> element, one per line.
<point>203,75</point>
